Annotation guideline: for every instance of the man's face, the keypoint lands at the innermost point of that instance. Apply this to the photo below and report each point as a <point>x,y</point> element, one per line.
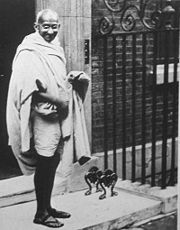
<point>48,28</point>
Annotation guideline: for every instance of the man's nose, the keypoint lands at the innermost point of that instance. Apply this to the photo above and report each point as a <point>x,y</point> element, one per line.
<point>50,31</point>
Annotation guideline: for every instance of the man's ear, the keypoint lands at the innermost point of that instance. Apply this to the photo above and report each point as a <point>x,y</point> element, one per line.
<point>35,26</point>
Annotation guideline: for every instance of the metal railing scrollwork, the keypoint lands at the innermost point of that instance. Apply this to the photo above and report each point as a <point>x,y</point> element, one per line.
<point>147,13</point>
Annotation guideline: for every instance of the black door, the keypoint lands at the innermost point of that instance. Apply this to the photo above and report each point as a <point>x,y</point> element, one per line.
<point>16,21</point>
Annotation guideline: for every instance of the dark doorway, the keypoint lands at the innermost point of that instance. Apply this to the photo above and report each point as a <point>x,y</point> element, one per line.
<point>16,21</point>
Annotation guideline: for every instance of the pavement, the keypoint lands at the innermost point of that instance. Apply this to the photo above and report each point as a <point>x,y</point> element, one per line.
<point>168,222</point>
<point>160,222</point>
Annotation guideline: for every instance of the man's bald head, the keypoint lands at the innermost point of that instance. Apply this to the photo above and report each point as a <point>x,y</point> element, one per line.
<point>46,14</point>
<point>47,24</point>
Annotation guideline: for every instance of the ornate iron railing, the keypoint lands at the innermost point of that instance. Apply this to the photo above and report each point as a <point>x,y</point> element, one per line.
<point>127,37</point>
<point>149,13</point>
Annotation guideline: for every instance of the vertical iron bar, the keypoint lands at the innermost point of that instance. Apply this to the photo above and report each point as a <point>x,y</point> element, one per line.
<point>124,106</point>
<point>133,176</point>
<point>161,5</point>
<point>154,108</point>
<point>165,111</point>
<point>114,103</point>
<point>174,125</point>
<point>144,109</point>
<point>105,103</point>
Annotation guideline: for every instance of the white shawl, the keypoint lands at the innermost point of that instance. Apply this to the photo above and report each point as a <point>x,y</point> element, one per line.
<point>32,62</point>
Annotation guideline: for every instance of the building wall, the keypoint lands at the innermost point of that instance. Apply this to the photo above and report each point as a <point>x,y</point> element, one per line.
<point>99,10</point>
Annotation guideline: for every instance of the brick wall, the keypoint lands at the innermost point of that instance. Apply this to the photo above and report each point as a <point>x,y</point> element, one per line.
<point>99,10</point>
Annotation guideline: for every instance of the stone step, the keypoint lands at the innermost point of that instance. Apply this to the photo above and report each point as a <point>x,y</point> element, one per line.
<point>87,212</point>
<point>21,189</point>
<point>168,196</point>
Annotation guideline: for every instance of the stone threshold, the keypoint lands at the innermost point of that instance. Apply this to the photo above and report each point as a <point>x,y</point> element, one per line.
<point>21,189</point>
<point>134,203</point>
<point>87,212</point>
<point>168,196</point>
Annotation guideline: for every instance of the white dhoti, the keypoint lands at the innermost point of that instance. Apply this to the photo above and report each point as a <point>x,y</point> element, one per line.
<point>47,134</point>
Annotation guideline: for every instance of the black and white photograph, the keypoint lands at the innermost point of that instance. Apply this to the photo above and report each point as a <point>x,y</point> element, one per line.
<point>89,114</point>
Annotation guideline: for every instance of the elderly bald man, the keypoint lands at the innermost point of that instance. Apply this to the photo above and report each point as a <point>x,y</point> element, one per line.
<point>39,72</point>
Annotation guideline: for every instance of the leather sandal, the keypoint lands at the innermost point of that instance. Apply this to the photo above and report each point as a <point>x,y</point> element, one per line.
<point>58,214</point>
<point>48,221</point>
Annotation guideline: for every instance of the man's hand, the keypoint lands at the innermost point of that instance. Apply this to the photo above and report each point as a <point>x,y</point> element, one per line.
<point>73,76</point>
<point>61,100</point>
<point>45,95</point>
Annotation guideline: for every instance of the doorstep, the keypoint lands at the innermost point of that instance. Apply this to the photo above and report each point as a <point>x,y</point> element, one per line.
<point>21,189</point>
<point>87,212</point>
<point>135,202</point>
